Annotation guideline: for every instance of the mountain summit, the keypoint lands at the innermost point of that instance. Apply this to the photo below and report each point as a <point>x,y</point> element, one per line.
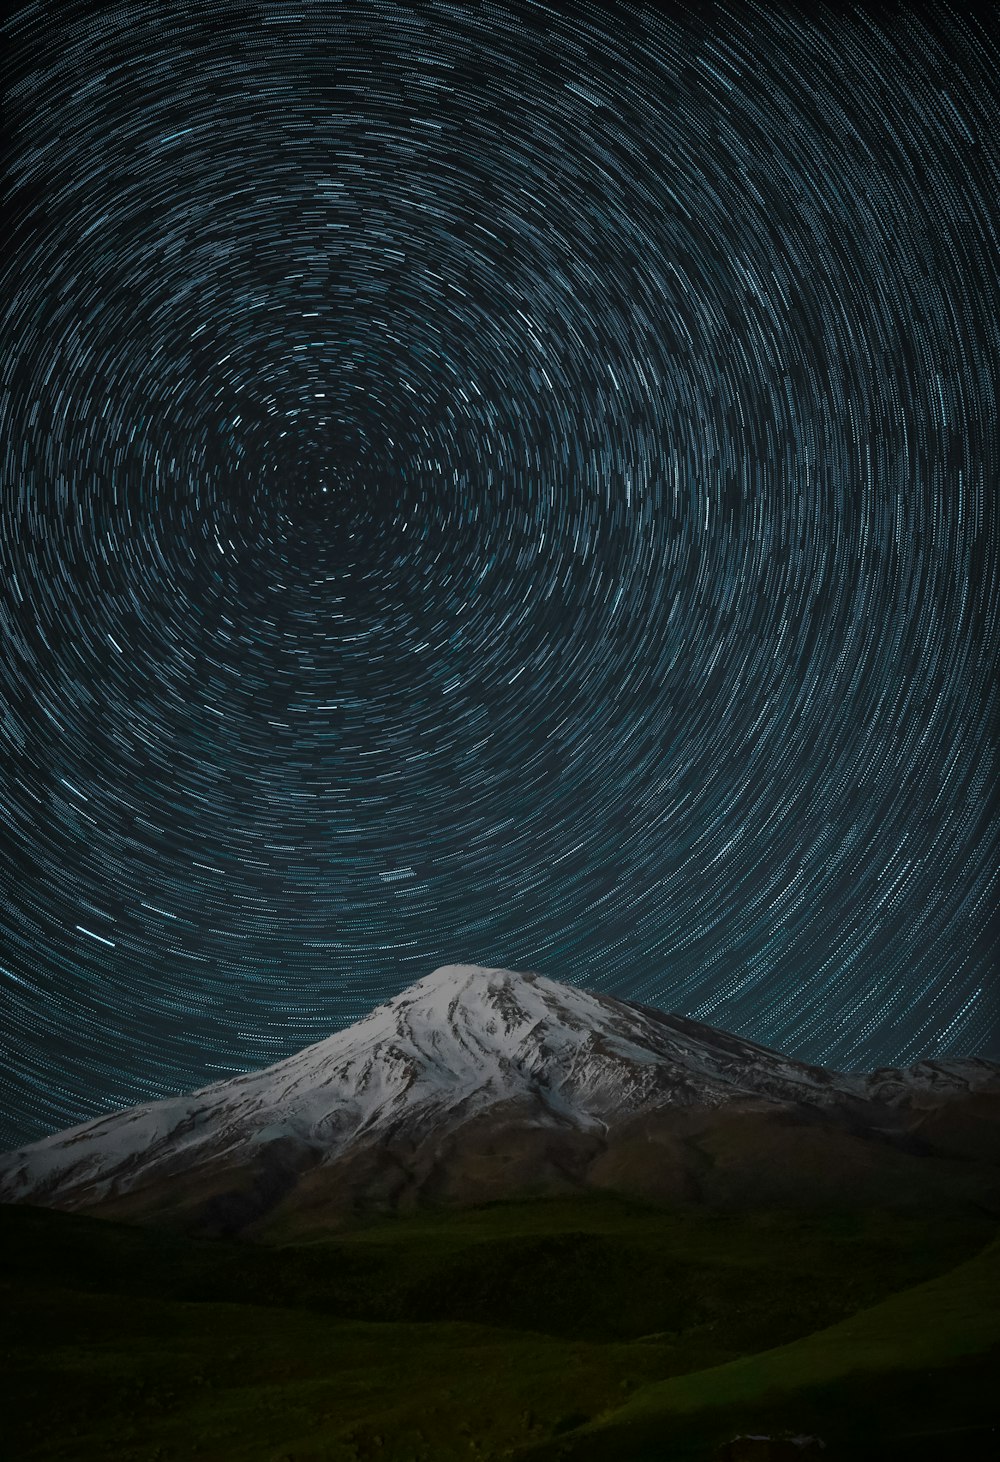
<point>479,1083</point>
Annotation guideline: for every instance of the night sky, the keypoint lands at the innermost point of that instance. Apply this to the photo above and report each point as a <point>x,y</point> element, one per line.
<point>499,484</point>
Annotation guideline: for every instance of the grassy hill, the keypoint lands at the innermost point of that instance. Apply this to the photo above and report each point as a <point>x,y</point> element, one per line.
<point>915,1376</point>
<point>590,1328</point>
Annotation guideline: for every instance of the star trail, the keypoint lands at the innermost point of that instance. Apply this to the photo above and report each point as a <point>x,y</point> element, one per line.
<point>495,484</point>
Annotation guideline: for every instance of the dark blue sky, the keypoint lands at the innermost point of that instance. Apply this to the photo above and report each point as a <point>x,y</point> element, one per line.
<point>495,484</point>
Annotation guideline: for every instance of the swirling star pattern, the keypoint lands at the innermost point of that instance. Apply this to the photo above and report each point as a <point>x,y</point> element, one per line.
<point>495,484</point>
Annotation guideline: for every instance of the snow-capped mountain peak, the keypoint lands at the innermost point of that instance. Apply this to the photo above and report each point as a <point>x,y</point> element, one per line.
<point>464,1043</point>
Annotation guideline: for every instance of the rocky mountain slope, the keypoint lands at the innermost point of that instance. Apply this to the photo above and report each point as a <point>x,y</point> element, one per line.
<point>476,1084</point>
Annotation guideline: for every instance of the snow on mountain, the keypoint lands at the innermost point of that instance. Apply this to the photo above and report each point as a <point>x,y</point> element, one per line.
<point>463,1041</point>
<point>930,1081</point>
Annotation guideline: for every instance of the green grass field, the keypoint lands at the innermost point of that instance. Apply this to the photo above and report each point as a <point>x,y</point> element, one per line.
<point>915,1376</point>
<point>592,1328</point>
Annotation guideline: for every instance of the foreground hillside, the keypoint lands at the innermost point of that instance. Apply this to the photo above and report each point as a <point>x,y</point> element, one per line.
<point>913,1377</point>
<point>592,1328</point>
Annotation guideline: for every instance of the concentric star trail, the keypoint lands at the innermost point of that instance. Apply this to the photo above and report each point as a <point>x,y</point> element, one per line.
<point>496,484</point>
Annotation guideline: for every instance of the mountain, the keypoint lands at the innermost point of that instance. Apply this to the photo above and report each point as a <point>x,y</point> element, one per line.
<point>477,1084</point>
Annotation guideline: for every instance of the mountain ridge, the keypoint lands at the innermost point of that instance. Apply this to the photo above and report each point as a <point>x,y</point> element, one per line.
<point>477,1081</point>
